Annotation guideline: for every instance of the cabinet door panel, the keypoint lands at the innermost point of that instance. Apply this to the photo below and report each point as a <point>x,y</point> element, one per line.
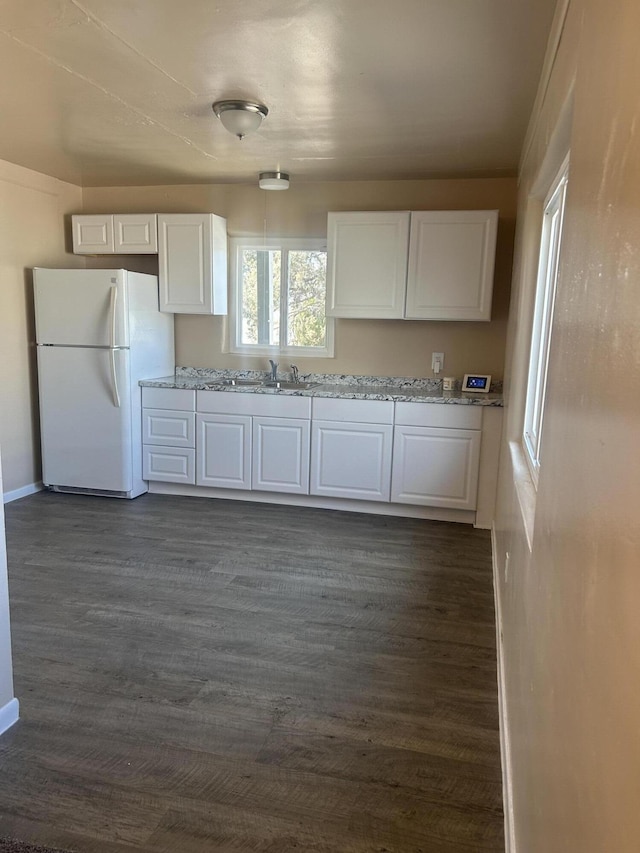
<point>451,261</point>
<point>135,233</point>
<point>351,460</point>
<point>435,467</point>
<point>192,263</point>
<point>169,464</point>
<point>224,451</point>
<point>367,263</point>
<point>92,234</point>
<point>280,460</point>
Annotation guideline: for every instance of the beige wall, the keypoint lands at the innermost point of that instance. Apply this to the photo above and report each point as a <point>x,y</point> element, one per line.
<point>393,348</point>
<point>570,602</point>
<point>32,207</point>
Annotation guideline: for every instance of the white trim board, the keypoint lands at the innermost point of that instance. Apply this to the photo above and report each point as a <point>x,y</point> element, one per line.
<point>347,505</point>
<point>24,492</point>
<point>505,735</point>
<point>9,715</point>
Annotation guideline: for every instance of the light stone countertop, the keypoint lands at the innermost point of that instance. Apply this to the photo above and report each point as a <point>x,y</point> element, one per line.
<point>398,389</point>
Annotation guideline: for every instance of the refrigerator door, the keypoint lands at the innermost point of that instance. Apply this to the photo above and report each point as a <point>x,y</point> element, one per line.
<point>86,438</point>
<point>81,307</point>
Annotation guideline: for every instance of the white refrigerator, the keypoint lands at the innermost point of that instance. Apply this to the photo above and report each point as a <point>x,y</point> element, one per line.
<point>97,332</point>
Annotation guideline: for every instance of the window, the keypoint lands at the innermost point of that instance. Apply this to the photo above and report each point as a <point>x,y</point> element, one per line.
<point>543,318</point>
<point>279,290</point>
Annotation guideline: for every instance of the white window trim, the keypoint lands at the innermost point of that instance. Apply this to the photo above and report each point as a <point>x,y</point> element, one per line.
<point>237,245</point>
<point>546,286</point>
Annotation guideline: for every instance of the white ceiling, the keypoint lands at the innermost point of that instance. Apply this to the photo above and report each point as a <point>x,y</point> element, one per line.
<point>112,92</point>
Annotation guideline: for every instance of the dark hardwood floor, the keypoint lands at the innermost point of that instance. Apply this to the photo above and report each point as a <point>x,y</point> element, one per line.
<point>199,675</point>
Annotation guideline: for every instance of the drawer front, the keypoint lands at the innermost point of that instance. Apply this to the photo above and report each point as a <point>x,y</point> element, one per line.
<point>169,398</point>
<point>439,415</point>
<point>169,464</point>
<point>262,405</point>
<point>354,411</point>
<point>167,428</point>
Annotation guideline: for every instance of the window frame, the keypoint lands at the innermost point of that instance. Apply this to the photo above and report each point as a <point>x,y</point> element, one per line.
<point>542,327</point>
<point>284,245</point>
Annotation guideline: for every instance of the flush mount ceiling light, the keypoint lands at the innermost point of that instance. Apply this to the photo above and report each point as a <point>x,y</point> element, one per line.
<point>240,117</point>
<point>274,181</point>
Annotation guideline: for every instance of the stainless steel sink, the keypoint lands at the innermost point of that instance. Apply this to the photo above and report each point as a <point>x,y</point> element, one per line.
<point>243,383</point>
<point>291,386</point>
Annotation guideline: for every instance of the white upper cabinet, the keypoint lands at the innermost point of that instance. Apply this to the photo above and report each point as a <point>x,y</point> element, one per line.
<point>115,233</point>
<point>420,265</point>
<point>192,263</point>
<point>367,264</point>
<point>451,259</point>
<point>92,235</point>
<point>135,233</point>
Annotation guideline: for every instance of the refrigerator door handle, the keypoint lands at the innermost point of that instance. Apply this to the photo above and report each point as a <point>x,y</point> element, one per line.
<point>114,377</point>
<point>112,351</point>
<point>113,314</point>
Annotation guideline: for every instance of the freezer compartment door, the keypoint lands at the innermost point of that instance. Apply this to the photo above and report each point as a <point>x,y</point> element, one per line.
<point>86,438</point>
<point>81,307</point>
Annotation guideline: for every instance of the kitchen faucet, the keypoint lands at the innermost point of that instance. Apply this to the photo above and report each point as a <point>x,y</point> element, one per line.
<point>274,370</point>
<point>294,372</point>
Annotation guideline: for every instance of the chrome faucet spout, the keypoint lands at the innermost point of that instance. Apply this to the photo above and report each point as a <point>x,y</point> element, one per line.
<point>294,373</point>
<point>274,370</point>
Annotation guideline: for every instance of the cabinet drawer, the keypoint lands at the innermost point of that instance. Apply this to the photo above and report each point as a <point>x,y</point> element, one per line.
<point>171,429</point>
<point>438,415</point>
<point>355,411</point>
<point>169,398</point>
<point>261,405</point>
<point>169,464</point>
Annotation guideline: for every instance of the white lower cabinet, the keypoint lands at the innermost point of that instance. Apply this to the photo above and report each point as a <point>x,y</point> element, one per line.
<point>351,460</point>
<point>223,445</point>
<point>351,448</point>
<point>280,458</point>
<point>168,435</point>
<point>424,454</point>
<point>436,455</point>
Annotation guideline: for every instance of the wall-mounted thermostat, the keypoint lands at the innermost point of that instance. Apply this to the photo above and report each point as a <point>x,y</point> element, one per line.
<point>479,383</point>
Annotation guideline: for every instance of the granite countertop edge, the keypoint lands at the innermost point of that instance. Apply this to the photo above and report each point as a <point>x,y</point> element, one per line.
<point>399,391</point>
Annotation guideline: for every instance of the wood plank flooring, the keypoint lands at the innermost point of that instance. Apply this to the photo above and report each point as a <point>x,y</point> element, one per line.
<point>200,675</point>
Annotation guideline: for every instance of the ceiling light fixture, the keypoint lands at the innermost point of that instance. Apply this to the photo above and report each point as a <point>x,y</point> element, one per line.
<point>274,181</point>
<point>240,117</point>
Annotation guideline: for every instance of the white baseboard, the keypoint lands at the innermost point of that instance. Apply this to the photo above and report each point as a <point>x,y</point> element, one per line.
<point>505,735</point>
<point>24,492</point>
<point>9,714</point>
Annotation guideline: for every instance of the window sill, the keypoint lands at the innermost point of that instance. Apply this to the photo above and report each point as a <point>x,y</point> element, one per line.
<point>525,489</point>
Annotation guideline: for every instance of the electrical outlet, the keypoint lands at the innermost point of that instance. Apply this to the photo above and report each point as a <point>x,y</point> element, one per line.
<point>437,362</point>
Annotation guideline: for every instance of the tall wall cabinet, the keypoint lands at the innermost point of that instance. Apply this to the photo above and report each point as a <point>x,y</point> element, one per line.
<point>420,265</point>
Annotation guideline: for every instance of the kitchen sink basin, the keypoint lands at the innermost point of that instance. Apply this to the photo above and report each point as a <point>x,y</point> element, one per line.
<point>291,386</point>
<point>243,383</point>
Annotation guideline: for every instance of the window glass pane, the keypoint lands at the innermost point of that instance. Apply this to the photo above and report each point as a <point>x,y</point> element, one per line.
<point>260,297</point>
<point>307,286</point>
